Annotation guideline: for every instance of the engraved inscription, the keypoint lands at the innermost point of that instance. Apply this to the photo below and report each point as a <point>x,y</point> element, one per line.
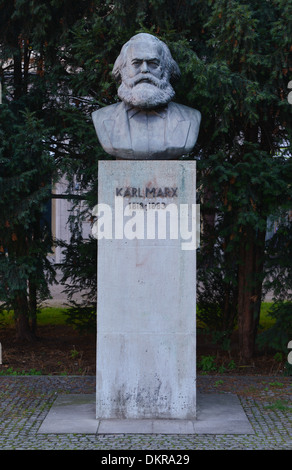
<point>146,192</point>
<point>147,206</point>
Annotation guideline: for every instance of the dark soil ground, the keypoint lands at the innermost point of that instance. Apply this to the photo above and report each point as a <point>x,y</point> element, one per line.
<point>61,350</point>
<point>58,350</point>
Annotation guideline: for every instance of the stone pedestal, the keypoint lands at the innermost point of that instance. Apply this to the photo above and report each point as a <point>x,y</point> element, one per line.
<point>146,338</point>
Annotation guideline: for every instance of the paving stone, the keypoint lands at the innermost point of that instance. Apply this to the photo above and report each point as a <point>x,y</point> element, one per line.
<point>26,401</point>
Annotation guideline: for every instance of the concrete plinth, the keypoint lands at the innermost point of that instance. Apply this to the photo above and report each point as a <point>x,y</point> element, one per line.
<point>217,413</point>
<point>146,338</point>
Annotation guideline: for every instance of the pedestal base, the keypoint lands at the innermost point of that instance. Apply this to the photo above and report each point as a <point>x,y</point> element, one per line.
<point>146,311</point>
<point>217,413</point>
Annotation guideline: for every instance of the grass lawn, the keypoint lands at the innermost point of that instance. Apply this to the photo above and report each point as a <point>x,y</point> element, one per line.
<point>57,316</point>
<point>47,316</point>
<point>265,320</point>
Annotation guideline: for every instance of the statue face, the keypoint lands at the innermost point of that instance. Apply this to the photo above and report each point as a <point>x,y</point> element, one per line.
<point>145,79</point>
<point>144,58</point>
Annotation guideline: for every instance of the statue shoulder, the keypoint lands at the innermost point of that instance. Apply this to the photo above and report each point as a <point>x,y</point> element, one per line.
<point>190,119</point>
<point>106,112</point>
<point>188,113</point>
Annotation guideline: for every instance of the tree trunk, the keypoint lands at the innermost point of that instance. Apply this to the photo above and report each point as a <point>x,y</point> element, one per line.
<point>229,308</point>
<point>23,331</point>
<point>249,291</point>
<point>33,306</point>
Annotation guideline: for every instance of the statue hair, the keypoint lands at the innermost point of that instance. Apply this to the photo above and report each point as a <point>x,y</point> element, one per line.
<point>168,62</point>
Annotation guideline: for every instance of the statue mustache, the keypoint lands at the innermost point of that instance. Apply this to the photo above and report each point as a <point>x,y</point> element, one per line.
<point>145,77</point>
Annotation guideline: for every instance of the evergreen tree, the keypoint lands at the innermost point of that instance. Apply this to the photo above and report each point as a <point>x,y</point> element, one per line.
<point>34,92</point>
<point>235,60</point>
<point>25,185</point>
<point>246,161</point>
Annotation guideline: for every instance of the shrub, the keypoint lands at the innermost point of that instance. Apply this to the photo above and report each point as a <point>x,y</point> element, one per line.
<point>207,363</point>
<point>278,336</point>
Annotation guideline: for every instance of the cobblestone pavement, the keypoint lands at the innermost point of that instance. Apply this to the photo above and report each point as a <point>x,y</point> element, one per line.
<point>25,402</point>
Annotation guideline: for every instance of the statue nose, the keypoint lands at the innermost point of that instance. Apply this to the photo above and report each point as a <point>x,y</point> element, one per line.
<point>144,67</point>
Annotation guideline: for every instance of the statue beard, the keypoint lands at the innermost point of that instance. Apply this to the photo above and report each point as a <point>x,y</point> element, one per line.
<point>146,91</point>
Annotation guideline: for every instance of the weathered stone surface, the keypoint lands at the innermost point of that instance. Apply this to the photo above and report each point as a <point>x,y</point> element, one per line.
<point>217,414</point>
<point>146,124</point>
<point>146,344</point>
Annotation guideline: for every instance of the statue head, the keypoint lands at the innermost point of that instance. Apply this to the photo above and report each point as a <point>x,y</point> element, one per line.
<point>145,69</point>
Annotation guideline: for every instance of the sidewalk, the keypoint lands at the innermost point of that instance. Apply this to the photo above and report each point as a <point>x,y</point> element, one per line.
<point>26,401</point>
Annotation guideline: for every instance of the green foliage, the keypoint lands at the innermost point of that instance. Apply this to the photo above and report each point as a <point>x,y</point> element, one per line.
<point>35,144</point>
<point>265,320</point>
<point>231,365</point>
<point>82,318</point>
<point>46,316</point>
<point>218,383</point>
<point>79,271</point>
<point>25,241</point>
<point>235,57</point>
<point>288,369</point>
<point>278,261</point>
<point>278,336</point>
<point>207,364</point>
<point>281,405</point>
<point>11,371</point>
<point>74,353</point>
<point>216,294</point>
<point>238,65</point>
<point>278,357</point>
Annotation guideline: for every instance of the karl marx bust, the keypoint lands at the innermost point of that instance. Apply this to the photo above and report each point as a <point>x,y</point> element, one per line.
<point>146,124</point>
